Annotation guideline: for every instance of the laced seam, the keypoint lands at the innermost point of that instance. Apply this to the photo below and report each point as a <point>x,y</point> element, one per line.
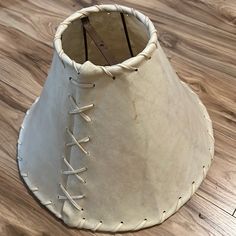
<point>77,142</point>
<point>70,198</point>
<point>81,84</point>
<point>80,110</point>
<point>73,171</point>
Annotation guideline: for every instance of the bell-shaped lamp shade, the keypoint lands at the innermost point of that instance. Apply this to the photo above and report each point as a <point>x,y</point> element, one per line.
<point>116,142</point>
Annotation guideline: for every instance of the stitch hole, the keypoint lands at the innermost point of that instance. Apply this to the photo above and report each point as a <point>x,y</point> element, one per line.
<point>122,222</point>
<point>82,209</point>
<point>164,212</point>
<point>180,198</point>
<point>203,166</point>
<point>113,77</point>
<point>193,182</point>
<point>100,221</point>
<point>88,154</point>
<point>70,78</point>
<point>136,69</point>
<point>145,219</point>
<point>83,218</point>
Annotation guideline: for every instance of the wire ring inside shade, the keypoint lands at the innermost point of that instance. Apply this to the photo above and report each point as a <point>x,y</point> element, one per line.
<point>132,62</point>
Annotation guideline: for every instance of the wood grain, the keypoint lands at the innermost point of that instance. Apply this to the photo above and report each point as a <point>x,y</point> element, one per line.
<point>199,37</point>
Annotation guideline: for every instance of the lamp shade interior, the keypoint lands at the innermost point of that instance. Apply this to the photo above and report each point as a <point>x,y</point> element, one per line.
<point>122,35</point>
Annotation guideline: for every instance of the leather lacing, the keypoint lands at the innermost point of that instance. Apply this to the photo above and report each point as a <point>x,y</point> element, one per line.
<point>81,85</point>
<point>80,110</point>
<point>70,197</point>
<point>76,142</point>
<point>72,171</point>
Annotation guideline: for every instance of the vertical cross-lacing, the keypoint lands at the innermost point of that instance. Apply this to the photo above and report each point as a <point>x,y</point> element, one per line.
<point>72,171</point>
<point>80,110</point>
<point>70,198</point>
<point>77,142</point>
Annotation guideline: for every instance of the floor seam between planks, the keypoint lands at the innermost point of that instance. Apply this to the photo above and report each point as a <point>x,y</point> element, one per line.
<point>222,209</point>
<point>234,213</point>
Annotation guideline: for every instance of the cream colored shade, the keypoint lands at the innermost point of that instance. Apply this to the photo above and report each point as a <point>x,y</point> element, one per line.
<point>114,148</point>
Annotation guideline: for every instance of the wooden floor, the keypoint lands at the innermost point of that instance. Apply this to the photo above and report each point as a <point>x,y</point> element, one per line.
<point>199,37</point>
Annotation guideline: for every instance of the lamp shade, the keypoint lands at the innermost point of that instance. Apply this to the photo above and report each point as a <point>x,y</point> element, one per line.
<point>116,142</point>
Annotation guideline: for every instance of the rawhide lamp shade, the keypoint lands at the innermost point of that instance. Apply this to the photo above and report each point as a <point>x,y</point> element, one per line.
<point>116,142</point>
